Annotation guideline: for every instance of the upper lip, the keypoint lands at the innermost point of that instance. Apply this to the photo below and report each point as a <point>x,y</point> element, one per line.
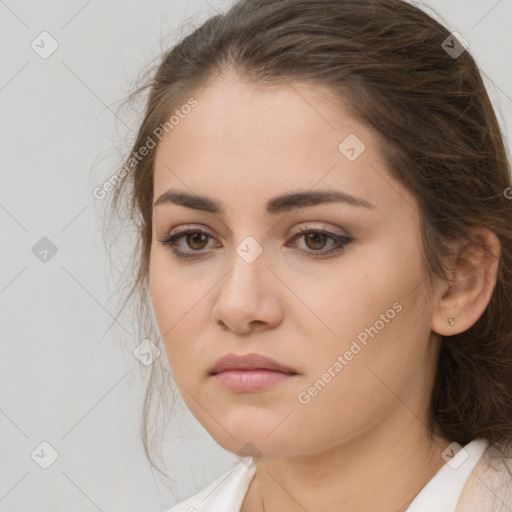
<point>249,362</point>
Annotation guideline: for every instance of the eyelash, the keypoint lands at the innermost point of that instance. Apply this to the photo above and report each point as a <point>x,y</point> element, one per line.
<point>170,242</point>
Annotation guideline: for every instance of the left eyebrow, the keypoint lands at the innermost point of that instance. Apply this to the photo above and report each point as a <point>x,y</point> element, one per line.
<point>275,206</point>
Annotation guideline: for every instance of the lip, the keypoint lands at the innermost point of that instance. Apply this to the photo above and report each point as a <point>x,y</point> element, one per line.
<point>250,372</point>
<point>249,362</point>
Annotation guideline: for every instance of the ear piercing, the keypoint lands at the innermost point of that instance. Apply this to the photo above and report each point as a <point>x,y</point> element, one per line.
<point>451,321</point>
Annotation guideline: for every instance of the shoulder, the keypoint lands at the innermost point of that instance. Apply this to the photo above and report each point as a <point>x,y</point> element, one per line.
<point>226,493</point>
<point>489,487</point>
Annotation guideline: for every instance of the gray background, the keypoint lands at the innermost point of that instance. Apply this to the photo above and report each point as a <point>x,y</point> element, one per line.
<point>64,379</point>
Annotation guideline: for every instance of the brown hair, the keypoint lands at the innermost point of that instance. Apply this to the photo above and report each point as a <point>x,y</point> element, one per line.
<point>439,136</point>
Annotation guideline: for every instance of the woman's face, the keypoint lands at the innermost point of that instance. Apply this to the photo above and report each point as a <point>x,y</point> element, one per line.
<point>349,316</point>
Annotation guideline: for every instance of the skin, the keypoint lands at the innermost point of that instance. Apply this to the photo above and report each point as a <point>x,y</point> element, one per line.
<point>361,443</point>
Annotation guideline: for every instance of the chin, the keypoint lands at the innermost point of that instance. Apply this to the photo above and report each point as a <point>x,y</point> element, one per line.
<point>247,440</point>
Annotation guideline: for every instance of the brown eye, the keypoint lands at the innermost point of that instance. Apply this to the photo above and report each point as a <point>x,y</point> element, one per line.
<point>196,240</point>
<point>191,240</point>
<point>190,243</point>
<point>315,240</point>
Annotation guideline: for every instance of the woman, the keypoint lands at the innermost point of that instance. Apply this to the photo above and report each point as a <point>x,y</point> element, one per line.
<point>321,192</point>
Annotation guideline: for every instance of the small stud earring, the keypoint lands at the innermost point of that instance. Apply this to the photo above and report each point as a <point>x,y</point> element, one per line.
<point>451,321</point>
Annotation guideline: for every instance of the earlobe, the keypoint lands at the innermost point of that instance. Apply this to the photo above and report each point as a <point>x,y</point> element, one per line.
<point>473,279</point>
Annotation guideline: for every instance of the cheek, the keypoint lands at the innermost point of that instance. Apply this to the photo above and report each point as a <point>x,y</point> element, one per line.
<point>165,297</point>
<point>159,287</point>
<point>371,313</point>
<point>343,301</point>
<point>170,290</point>
<point>177,304</point>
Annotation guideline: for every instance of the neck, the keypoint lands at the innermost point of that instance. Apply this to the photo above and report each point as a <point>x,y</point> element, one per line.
<point>382,469</point>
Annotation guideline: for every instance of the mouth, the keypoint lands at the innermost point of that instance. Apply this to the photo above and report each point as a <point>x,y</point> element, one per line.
<point>250,372</point>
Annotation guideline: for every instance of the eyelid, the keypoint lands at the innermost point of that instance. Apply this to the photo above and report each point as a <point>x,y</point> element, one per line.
<point>183,228</point>
<point>324,227</point>
<point>340,241</point>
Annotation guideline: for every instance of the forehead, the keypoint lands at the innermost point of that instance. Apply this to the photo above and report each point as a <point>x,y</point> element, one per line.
<point>267,140</point>
<point>235,117</point>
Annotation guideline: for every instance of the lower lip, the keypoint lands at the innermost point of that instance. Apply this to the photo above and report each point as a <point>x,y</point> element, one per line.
<point>250,380</point>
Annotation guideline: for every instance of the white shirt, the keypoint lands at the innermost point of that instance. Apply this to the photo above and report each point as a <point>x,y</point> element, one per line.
<point>440,494</point>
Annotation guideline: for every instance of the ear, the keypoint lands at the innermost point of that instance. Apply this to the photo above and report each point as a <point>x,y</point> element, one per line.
<point>472,280</point>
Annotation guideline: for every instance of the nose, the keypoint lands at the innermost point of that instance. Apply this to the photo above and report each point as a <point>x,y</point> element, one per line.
<point>249,296</point>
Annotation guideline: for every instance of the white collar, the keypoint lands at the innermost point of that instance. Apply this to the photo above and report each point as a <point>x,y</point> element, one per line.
<point>443,490</point>
<point>441,493</point>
